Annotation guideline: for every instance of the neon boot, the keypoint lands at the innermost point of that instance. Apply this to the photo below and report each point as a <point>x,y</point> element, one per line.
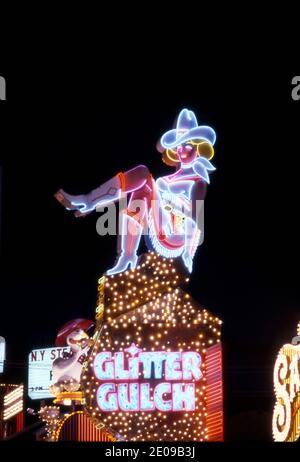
<point>130,239</point>
<point>84,203</point>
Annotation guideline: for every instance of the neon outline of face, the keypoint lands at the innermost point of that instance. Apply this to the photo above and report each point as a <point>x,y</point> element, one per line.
<point>187,153</point>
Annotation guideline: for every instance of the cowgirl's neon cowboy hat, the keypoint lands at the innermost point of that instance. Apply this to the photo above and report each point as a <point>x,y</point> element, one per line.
<point>187,129</point>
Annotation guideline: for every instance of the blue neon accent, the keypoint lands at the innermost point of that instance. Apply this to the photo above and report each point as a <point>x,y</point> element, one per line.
<point>83,207</point>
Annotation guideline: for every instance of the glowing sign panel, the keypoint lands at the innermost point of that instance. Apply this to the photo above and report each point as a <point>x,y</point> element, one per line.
<point>286,416</point>
<point>2,354</point>
<point>40,371</point>
<point>13,403</point>
<point>154,371</point>
<point>175,371</point>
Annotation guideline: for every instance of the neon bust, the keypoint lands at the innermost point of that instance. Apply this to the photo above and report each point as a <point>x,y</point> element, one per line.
<point>166,209</point>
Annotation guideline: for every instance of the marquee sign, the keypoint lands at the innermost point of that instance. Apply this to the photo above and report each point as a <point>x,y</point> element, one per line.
<point>40,363</point>
<point>286,416</point>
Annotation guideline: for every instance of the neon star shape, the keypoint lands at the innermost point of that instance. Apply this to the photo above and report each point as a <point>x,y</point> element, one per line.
<point>133,349</point>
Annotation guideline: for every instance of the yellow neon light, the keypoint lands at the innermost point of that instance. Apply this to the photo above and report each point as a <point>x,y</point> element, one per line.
<point>69,395</point>
<point>204,149</point>
<point>286,415</point>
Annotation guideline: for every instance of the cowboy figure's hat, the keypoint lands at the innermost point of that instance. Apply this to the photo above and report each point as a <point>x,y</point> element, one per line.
<point>69,327</point>
<point>187,129</point>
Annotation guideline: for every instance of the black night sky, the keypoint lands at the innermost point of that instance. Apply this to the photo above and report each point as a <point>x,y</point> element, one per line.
<point>77,127</point>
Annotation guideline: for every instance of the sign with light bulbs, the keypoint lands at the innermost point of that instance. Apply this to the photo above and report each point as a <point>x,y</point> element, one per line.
<point>154,372</point>
<point>125,380</point>
<point>286,415</point>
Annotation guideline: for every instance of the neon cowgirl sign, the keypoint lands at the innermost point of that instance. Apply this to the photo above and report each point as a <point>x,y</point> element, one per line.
<point>165,210</point>
<point>124,382</point>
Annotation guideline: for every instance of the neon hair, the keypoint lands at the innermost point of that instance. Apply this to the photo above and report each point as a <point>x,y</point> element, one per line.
<point>204,149</point>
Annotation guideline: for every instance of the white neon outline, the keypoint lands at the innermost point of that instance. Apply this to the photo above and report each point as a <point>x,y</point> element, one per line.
<point>147,358</point>
<point>185,374</point>
<point>167,405</point>
<point>130,388</point>
<point>120,372</point>
<point>83,207</point>
<point>130,260</point>
<point>191,386</point>
<point>167,366</point>
<point>97,367</point>
<point>149,402</point>
<point>106,386</point>
<point>187,133</point>
<point>187,355</point>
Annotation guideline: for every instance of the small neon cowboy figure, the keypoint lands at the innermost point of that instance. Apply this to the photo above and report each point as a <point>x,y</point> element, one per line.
<point>164,210</point>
